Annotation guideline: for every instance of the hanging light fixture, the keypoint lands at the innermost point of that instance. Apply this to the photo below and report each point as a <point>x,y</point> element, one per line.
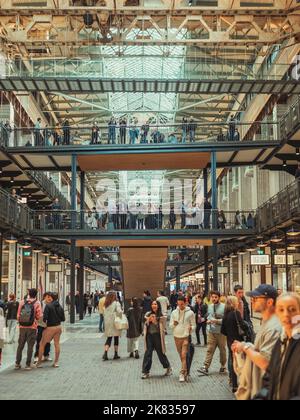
<point>276,239</point>
<point>262,244</point>
<point>11,240</point>
<point>36,251</point>
<point>242,252</point>
<point>293,232</point>
<point>25,245</point>
<point>45,253</point>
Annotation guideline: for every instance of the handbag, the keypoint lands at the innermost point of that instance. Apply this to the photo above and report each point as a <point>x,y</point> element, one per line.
<point>241,332</point>
<point>121,323</point>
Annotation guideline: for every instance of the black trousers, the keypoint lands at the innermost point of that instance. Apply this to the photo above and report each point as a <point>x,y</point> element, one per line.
<point>109,341</point>
<point>198,329</point>
<point>154,343</point>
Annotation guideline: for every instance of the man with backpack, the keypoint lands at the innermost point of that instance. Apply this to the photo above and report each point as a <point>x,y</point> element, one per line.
<point>54,315</point>
<point>29,313</point>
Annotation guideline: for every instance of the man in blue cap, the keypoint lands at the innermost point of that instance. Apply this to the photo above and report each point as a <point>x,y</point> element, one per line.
<point>257,357</point>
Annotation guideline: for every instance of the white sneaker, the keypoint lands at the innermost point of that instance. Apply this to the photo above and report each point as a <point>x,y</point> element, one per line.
<point>181,378</point>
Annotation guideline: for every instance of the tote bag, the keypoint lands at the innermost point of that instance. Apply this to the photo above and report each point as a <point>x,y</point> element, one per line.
<point>121,323</point>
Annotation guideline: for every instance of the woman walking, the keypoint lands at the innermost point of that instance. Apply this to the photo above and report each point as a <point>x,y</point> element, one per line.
<point>154,333</point>
<point>201,312</point>
<point>112,309</point>
<point>90,303</point>
<point>53,317</point>
<point>135,319</point>
<point>234,328</point>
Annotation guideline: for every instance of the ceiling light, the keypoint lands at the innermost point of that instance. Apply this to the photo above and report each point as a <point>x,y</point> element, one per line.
<point>293,232</point>
<point>45,253</point>
<point>25,245</point>
<point>262,244</point>
<point>11,240</point>
<point>275,239</point>
<point>36,251</point>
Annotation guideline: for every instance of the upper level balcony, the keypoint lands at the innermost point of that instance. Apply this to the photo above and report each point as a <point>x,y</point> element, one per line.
<point>129,146</point>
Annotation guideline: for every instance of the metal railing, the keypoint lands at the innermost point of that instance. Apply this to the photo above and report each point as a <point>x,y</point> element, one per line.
<point>95,69</point>
<point>196,219</point>
<point>134,133</point>
<point>280,208</point>
<point>290,121</point>
<point>49,187</point>
<point>13,214</point>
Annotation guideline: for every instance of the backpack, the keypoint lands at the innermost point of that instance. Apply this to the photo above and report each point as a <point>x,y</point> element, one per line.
<point>27,314</point>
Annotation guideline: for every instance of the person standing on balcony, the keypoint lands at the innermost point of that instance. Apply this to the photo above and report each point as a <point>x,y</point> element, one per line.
<point>173,218</point>
<point>192,130</point>
<point>207,213</point>
<point>57,135</point>
<point>221,220</point>
<point>6,130</point>
<point>66,132</point>
<point>232,128</point>
<point>37,132</point>
<point>238,221</point>
<point>185,128</point>
<point>250,221</point>
<point>112,127</point>
<point>123,128</point>
<point>95,134</point>
<point>56,210</point>
<point>145,132</point>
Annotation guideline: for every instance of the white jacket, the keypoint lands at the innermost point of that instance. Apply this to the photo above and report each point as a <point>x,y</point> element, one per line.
<point>186,322</point>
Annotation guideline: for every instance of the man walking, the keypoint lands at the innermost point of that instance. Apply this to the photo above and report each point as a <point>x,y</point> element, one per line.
<point>29,313</point>
<point>216,312</point>
<point>183,324</point>
<point>259,355</point>
<point>244,310</point>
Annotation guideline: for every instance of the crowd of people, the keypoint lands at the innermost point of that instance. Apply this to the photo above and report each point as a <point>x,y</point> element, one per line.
<point>124,130</point>
<point>120,217</point>
<point>262,364</point>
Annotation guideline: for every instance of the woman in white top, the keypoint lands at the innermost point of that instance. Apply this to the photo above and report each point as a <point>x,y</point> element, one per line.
<point>112,309</point>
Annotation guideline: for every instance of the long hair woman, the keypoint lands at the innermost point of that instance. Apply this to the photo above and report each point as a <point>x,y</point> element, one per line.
<point>154,333</point>
<point>112,308</point>
<point>234,328</point>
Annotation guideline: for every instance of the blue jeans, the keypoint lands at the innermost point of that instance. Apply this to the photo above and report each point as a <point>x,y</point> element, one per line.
<point>101,324</point>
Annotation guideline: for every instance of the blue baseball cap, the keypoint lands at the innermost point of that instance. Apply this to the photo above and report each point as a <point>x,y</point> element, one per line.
<point>264,290</point>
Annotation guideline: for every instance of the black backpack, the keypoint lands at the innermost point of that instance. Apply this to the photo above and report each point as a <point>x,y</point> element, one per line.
<point>27,314</point>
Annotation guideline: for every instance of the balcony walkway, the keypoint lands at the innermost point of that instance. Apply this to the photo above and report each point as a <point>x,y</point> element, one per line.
<point>67,84</point>
<point>140,156</point>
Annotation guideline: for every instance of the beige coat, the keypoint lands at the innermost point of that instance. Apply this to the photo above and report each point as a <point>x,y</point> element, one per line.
<point>162,323</point>
<point>110,314</point>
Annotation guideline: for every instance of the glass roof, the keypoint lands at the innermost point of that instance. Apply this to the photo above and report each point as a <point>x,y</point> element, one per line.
<point>169,64</point>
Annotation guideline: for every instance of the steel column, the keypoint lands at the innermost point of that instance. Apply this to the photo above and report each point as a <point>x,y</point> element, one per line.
<point>214,203</point>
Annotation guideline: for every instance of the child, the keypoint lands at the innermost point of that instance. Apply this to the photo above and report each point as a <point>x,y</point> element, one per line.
<point>2,325</point>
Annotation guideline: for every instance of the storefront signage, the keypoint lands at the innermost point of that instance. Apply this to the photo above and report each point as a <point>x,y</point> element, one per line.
<point>91,277</point>
<point>223,270</point>
<point>54,268</point>
<point>281,260</point>
<point>260,259</point>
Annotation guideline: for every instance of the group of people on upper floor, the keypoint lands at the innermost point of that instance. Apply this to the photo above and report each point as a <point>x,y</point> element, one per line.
<point>124,130</point>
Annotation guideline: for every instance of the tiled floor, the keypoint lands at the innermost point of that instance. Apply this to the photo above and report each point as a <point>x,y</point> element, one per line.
<point>83,374</point>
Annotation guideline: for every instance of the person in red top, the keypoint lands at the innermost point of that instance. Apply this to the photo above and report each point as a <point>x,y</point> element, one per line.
<point>30,311</point>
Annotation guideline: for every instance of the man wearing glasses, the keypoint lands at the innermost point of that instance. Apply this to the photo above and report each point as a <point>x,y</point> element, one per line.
<point>257,357</point>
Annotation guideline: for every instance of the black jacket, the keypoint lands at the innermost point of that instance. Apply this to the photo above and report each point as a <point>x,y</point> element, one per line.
<point>135,321</point>
<point>146,305</point>
<point>12,310</point>
<point>54,314</point>
<point>247,312</point>
<point>230,327</point>
<point>204,311</point>
<point>290,376</point>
